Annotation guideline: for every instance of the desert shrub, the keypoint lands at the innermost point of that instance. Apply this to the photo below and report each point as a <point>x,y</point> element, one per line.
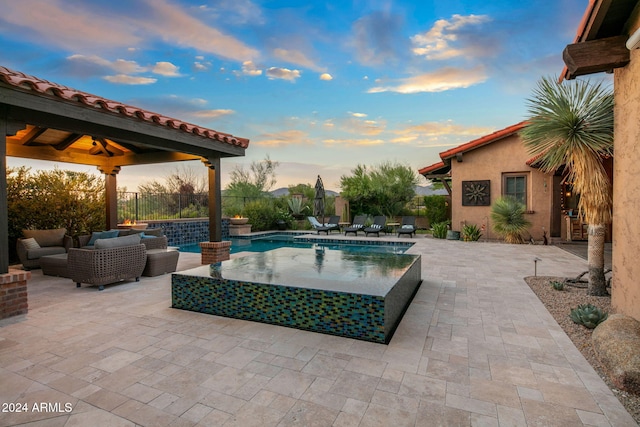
<point>262,215</point>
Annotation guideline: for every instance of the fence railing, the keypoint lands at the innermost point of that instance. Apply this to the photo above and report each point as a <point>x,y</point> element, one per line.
<point>135,206</point>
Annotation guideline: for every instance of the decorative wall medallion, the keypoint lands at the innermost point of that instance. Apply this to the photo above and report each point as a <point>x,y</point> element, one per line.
<point>476,193</point>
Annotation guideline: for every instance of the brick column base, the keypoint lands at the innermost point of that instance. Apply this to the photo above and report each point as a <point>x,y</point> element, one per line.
<point>213,252</point>
<point>13,293</point>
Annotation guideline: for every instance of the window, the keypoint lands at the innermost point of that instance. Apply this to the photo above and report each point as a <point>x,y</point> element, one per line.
<point>515,186</point>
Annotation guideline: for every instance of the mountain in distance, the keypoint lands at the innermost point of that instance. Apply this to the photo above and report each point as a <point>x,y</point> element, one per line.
<point>425,190</point>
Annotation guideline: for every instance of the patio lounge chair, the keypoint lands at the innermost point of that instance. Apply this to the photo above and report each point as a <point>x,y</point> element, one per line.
<point>379,222</point>
<point>408,226</point>
<point>326,227</point>
<point>357,225</point>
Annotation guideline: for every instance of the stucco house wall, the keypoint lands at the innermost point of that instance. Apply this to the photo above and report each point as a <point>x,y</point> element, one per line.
<point>625,296</point>
<point>491,162</point>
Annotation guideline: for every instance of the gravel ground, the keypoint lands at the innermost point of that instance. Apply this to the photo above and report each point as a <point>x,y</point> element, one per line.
<point>559,304</point>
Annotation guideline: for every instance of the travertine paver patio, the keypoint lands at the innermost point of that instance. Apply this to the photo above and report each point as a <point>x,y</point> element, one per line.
<point>476,347</point>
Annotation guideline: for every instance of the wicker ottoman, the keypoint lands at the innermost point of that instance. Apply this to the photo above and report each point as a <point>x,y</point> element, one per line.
<point>54,265</point>
<point>160,261</point>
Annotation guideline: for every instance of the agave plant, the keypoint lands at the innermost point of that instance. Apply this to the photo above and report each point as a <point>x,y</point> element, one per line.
<point>508,219</point>
<point>558,286</point>
<point>440,229</point>
<point>588,315</point>
<point>471,233</point>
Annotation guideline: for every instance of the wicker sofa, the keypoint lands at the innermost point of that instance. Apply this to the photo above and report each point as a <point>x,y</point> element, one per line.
<point>39,243</point>
<point>111,260</point>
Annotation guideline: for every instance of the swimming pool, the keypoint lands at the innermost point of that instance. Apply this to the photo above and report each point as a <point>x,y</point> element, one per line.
<point>270,242</point>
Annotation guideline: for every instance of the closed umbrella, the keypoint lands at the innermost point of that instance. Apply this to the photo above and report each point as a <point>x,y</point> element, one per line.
<point>318,202</point>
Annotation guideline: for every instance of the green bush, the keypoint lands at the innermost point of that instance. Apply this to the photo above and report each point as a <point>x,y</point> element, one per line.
<point>440,229</point>
<point>262,215</point>
<point>53,199</point>
<point>436,208</point>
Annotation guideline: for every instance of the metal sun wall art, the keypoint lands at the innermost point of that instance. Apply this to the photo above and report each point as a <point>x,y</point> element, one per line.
<point>476,193</point>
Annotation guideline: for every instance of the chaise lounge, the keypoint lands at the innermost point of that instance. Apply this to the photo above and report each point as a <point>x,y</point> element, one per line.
<point>327,227</point>
<point>357,225</point>
<point>379,222</point>
<point>408,226</point>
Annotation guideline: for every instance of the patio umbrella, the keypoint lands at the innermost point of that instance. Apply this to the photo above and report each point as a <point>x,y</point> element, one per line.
<point>318,202</point>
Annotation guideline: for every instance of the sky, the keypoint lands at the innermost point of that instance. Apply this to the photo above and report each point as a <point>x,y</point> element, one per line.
<point>320,87</point>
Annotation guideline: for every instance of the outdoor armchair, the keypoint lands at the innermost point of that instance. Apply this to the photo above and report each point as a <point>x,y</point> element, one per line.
<point>356,225</point>
<point>408,226</point>
<point>379,222</point>
<point>39,243</point>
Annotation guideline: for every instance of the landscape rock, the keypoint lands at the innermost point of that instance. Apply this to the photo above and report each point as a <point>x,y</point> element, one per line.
<point>616,342</point>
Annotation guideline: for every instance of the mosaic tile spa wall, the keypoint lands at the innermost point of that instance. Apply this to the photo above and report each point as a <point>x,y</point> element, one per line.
<point>365,317</point>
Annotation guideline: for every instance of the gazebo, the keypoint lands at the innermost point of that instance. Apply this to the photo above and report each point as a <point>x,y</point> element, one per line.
<point>47,121</point>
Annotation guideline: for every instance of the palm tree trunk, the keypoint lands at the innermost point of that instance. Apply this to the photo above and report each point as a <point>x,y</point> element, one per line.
<point>595,259</point>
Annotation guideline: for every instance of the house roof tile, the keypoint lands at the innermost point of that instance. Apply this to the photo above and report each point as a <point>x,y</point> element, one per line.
<point>44,87</point>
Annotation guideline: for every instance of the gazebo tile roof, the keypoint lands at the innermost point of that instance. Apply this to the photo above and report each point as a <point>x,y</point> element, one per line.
<point>44,87</point>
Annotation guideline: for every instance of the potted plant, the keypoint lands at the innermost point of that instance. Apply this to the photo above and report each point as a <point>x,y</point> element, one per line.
<point>283,219</point>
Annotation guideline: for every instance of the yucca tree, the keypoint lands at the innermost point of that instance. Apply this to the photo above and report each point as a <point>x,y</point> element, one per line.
<point>571,124</point>
<point>507,216</point>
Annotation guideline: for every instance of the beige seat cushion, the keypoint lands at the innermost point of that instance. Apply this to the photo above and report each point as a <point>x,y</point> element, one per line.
<point>44,251</point>
<point>44,238</point>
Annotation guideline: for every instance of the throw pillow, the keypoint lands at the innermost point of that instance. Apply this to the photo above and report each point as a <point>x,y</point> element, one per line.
<point>145,236</point>
<point>117,242</point>
<point>30,243</point>
<point>102,235</point>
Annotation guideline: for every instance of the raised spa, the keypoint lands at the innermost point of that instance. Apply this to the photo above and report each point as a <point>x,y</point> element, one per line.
<point>359,296</point>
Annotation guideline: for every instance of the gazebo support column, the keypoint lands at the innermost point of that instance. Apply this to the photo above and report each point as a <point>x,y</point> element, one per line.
<point>215,250</point>
<point>4,213</point>
<point>111,196</point>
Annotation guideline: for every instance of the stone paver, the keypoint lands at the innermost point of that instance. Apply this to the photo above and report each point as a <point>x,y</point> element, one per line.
<point>475,347</point>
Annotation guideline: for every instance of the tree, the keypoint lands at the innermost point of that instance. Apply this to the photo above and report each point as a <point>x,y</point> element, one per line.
<point>381,190</point>
<point>571,125</point>
<point>249,184</point>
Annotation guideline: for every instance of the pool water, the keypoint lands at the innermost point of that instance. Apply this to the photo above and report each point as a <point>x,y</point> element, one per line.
<point>277,241</point>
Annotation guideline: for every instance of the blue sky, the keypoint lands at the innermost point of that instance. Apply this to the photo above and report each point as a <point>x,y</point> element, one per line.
<point>318,86</point>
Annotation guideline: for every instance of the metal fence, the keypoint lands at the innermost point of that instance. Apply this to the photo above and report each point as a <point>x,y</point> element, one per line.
<point>134,206</point>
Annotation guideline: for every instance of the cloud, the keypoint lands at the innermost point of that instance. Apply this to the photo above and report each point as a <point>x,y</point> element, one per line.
<point>104,31</point>
<point>174,25</point>
<point>352,142</point>
<point>237,12</point>
<point>212,114</point>
<point>358,115</point>
<point>119,65</point>
<point>166,69</point>
<point>283,73</point>
<point>199,66</point>
<point>438,81</point>
<point>432,134</point>
<point>378,39</point>
<point>130,80</point>
<point>459,36</point>
<point>296,57</point>
<point>249,69</point>
<point>287,137</point>
<point>326,76</point>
